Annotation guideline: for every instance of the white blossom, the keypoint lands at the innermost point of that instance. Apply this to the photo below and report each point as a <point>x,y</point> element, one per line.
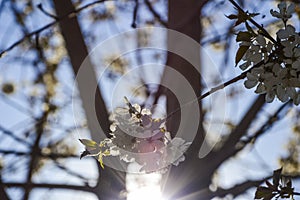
<point>279,74</point>
<point>137,137</point>
<point>252,80</point>
<point>284,12</point>
<point>176,149</point>
<point>296,100</point>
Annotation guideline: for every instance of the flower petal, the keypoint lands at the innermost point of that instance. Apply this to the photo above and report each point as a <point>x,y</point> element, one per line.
<point>261,89</point>
<point>250,84</point>
<point>270,97</point>
<point>290,10</point>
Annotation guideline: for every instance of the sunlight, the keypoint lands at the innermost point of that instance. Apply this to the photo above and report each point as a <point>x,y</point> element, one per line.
<point>146,193</point>
<point>143,186</point>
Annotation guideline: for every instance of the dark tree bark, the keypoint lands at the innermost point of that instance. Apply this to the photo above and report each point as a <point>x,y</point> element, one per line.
<point>111,181</point>
<point>191,179</point>
<point>3,194</point>
<point>184,17</point>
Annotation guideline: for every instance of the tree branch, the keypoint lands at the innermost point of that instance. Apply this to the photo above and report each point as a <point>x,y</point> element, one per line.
<point>12,135</point>
<point>266,126</point>
<point>40,6</point>
<point>155,13</point>
<point>50,186</point>
<point>229,146</point>
<point>269,123</point>
<point>96,113</point>
<point>65,16</point>
<point>35,151</point>
<point>135,13</point>
<point>237,189</point>
<point>265,32</point>
<point>52,156</point>
<point>3,194</point>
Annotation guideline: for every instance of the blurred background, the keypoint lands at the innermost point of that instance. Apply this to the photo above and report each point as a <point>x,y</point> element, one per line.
<point>42,114</point>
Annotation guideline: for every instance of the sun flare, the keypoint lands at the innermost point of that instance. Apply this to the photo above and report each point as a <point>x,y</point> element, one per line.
<point>146,193</point>
<point>143,186</point>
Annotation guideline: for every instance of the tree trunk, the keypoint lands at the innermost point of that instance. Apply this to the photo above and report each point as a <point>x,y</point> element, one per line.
<point>192,174</point>
<point>111,181</point>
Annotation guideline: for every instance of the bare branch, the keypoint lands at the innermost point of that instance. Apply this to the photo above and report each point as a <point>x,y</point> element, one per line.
<point>40,6</point>
<point>12,135</point>
<point>264,31</point>
<point>266,126</point>
<point>67,15</point>
<point>239,188</point>
<point>53,156</point>
<point>50,186</point>
<point>229,146</point>
<point>3,194</point>
<point>35,150</point>
<point>78,54</point>
<point>155,13</point>
<point>70,172</point>
<point>269,123</point>
<point>135,13</point>
<point>211,91</point>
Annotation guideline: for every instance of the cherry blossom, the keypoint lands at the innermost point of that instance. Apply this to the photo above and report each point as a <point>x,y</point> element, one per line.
<point>137,137</point>
<point>285,12</point>
<point>275,67</point>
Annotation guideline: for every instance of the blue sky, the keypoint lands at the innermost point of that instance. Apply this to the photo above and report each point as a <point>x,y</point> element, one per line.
<point>247,165</point>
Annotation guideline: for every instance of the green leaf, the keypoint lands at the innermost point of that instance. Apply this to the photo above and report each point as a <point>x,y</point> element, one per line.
<point>100,160</point>
<point>240,53</point>
<point>238,22</point>
<point>269,196</point>
<point>244,36</point>
<point>250,30</point>
<point>88,143</point>
<point>262,192</point>
<point>106,152</point>
<point>270,185</point>
<point>289,183</point>
<point>231,16</point>
<point>253,14</point>
<point>242,17</point>
<point>276,177</point>
<point>286,191</point>
<point>85,153</point>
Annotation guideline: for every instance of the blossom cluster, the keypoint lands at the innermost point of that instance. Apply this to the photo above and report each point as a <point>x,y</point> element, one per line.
<point>138,137</point>
<point>275,67</point>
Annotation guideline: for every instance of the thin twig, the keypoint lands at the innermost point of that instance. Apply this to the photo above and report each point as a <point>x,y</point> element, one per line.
<point>68,15</point>
<point>155,13</point>
<point>70,172</point>
<point>49,185</point>
<point>266,126</point>
<point>40,7</point>
<point>135,13</point>
<point>219,87</point>
<point>52,156</point>
<point>264,31</point>
<point>12,135</point>
<point>269,123</point>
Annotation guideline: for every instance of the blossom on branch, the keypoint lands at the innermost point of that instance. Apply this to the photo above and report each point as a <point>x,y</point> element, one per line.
<point>273,65</point>
<point>137,137</point>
